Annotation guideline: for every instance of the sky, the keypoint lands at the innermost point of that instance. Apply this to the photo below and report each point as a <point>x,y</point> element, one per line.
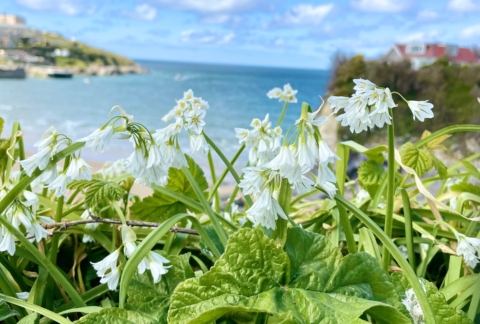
<point>283,33</point>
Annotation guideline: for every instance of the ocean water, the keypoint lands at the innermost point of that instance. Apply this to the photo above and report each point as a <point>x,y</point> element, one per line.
<point>236,95</point>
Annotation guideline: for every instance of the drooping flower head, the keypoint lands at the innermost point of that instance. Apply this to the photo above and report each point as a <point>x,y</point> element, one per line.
<point>287,94</point>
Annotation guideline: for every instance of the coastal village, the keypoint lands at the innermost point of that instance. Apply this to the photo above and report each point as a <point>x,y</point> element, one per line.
<point>26,51</point>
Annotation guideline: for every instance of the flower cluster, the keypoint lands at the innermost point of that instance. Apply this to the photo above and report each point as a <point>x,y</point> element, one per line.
<point>22,214</point>
<point>115,169</point>
<point>369,106</point>
<point>292,161</point>
<point>287,94</point>
<point>78,169</point>
<point>187,114</point>
<point>263,141</point>
<point>108,268</point>
<point>469,248</point>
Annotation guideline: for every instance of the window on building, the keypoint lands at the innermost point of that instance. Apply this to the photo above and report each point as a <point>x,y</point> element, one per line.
<point>415,49</point>
<point>451,50</point>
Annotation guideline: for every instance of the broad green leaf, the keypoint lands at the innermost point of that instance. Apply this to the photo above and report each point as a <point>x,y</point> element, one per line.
<point>374,153</point>
<point>30,319</point>
<point>418,159</point>
<point>309,282</point>
<point>6,311</point>
<point>152,299</point>
<point>99,192</point>
<point>116,316</point>
<point>440,167</point>
<point>370,175</point>
<point>444,313</point>
<point>435,144</point>
<point>159,206</point>
<point>466,187</point>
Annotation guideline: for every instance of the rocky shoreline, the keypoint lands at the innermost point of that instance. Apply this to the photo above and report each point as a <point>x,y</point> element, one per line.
<point>42,71</point>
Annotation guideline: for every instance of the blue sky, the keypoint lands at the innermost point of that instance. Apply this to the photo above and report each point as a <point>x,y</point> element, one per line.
<point>283,33</point>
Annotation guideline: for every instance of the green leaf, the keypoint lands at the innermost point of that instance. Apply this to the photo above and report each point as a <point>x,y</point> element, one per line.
<point>370,175</point>
<point>6,311</point>
<point>374,153</point>
<point>212,234</point>
<point>99,192</point>
<point>444,313</point>
<point>472,169</point>
<point>440,167</point>
<point>418,159</point>
<point>116,316</point>
<point>159,206</point>
<point>30,319</point>
<point>309,282</point>
<point>466,187</point>
<point>153,300</point>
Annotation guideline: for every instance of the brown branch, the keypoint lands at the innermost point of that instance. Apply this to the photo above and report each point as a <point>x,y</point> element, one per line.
<point>63,226</point>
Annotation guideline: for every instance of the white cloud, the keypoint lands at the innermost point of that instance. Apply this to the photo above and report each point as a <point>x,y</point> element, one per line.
<point>419,37</point>
<point>304,15</point>
<point>470,32</point>
<point>144,12</point>
<point>464,5</point>
<point>68,7</point>
<point>426,15</point>
<point>381,5</point>
<point>221,19</point>
<point>209,6</point>
<point>205,37</point>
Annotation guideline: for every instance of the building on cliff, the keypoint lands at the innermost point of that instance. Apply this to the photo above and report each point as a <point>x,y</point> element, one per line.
<point>421,54</point>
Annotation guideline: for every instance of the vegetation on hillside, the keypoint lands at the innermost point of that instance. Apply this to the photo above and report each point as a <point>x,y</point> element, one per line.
<point>81,55</point>
<point>453,90</point>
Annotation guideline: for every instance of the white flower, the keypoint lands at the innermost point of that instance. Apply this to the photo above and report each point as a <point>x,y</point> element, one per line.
<point>337,103</point>
<point>37,231</point>
<point>413,306</point>
<point>23,295</point>
<point>156,264</point>
<point>8,242</point>
<point>264,211</point>
<point>154,156</point>
<point>173,156</point>
<point>99,139</point>
<point>274,93</point>
<point>48,175</point>
<point>468,247</point>
<point>195,121</point>
<point>188,95</point>
<point>362,85</point>
<point>91,226</point>
<point>176,112</point>
<point>60,185</point>
<point>383,101</point>
<point>79,169</point>
<point>288,94</point>
<point>110,261</point>
<point>111,278</point>
<point>421,109</point>
<point>198,144</point>
<point>356,114</point>
<point>306,159</point>
<point>128,239</point>
<point>47,139</point>
<point>362,196</point>
<point>283,162</point>
<point>325,154</point>
<point>242,134</point>
<point>403,250</point>
<point>29,164</point>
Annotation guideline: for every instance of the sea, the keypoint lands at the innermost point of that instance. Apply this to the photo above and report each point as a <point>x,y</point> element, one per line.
<point>77,106</point>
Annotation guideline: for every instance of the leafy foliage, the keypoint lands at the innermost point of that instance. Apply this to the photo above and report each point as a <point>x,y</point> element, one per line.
<point>6,311</point>
<point>418,159</point>
<point>466,187</point>
<point>99,192</point>
<point>444,313</point>
<point>370,175</point>
<point>308,282</point>
<point>159,206</point>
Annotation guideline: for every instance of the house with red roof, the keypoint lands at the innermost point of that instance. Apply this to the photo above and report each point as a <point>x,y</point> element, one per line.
<point>421,54</point>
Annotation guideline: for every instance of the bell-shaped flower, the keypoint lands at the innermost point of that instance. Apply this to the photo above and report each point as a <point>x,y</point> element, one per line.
<point>421,109</point>
<point>79,169</point>
<point>108,263</point>
<point>468,247</point>
<point>325,154</point>
<point>128,239</point>
<point>60,185</point>
<point>99,139</point>
<point>362,85</point>
<point>8,242</point>
<point>156,264</point>
<point>337,103</point>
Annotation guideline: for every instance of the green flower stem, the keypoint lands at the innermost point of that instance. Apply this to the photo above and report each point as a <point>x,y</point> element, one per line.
<point>397,255</point>
<point>225,172</point>
<point>227,164</point>
<point>390,192</point>
<point>408,228</point>
<point>58,218</point>
<point>11,152</point>
<point>231,200</point>
<point>341,170</point>
<point>206,206</point>
<point>282,115</point>
<point>284,198</point>
<point>215,193</point>
<point>147,245</point>
<point>37,309</point>
<point>119,213</point>
<point>448,130</point>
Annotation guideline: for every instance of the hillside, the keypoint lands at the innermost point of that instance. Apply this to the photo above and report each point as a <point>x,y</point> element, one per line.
<point>80,55</point>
